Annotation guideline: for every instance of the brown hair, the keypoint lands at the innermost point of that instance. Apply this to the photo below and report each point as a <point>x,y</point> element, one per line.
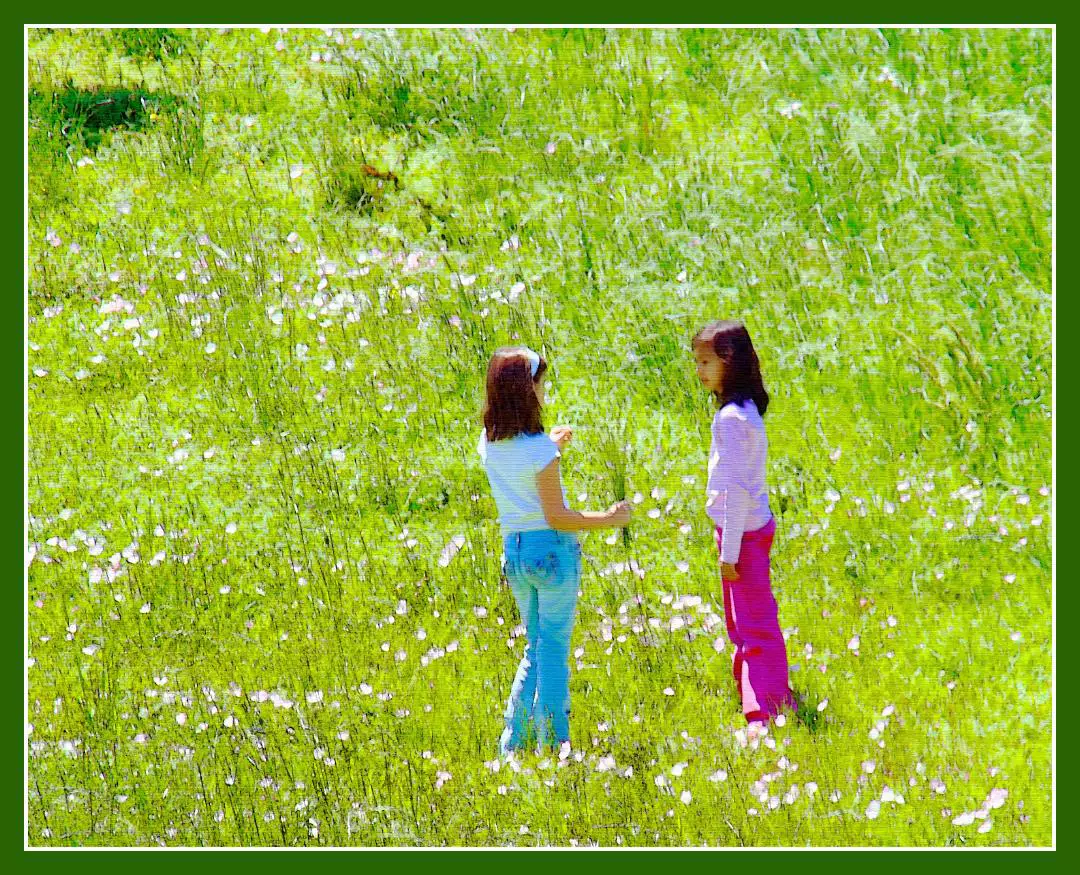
<point>511,407</point>
<point>731,342</point>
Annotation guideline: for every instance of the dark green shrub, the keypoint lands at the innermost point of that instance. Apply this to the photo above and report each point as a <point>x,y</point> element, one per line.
<point>156,43</point>
<point>86,116</point>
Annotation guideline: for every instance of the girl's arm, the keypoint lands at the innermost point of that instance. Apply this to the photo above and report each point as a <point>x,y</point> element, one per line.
<point>729,502</point>
<point>561,518</point>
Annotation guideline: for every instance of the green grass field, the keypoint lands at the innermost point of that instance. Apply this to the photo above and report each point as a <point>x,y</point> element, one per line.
<point>266,273</point>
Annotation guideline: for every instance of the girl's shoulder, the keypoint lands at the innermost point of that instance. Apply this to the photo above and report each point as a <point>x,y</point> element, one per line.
<point>736,410</point>
<point>518,441</point>
<point>541,446</point>
<point>745,412</point>
<point>525,440</point>
<point>539,437</point>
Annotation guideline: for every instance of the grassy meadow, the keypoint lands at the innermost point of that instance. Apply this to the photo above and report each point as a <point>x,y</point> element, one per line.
<point>266,272</point>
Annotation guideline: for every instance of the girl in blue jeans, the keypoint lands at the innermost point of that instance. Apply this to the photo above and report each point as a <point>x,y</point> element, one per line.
<point>541,551</point>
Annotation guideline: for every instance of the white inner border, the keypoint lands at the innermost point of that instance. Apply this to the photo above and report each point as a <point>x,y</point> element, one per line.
<point>1053,397</point>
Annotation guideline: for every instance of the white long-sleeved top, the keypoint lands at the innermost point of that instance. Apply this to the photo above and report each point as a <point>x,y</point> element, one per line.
<point>737,499</point>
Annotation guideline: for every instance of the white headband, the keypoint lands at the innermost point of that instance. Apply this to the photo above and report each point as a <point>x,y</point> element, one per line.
<point>534,359</point>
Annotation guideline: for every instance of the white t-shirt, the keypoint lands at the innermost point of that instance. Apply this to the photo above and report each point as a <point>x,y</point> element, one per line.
<point>512,465</point>
<point>737,499</point>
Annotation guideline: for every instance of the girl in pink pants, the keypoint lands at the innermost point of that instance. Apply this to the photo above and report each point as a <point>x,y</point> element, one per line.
<point>760,661</point>
<point>737,501</point>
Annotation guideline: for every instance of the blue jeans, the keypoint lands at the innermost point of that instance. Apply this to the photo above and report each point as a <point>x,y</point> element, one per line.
<point>543,568</point>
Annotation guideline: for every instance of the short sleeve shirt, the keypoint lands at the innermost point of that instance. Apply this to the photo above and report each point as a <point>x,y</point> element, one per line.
<point>511,466</point>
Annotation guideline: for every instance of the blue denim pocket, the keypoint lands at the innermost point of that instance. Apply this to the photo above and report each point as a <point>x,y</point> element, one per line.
<point>543,567</point>
<point>544,558</point>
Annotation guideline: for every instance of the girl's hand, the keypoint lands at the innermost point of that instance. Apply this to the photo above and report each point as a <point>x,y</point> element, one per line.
<point>728,572</point>
<point>562,434</point>
<point>619,514</point>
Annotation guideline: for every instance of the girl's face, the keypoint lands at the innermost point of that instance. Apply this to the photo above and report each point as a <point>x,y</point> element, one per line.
<point>710,367</point>
<point>538,388</point>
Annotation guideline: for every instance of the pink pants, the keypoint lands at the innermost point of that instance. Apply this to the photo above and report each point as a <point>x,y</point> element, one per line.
<point>760,661</point>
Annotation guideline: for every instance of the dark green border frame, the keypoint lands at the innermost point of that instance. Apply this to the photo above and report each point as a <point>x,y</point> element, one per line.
<point>471,12</point>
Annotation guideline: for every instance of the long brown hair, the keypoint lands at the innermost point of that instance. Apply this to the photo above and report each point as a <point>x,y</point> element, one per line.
<point>511,406</point>
<point>731,342</point>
